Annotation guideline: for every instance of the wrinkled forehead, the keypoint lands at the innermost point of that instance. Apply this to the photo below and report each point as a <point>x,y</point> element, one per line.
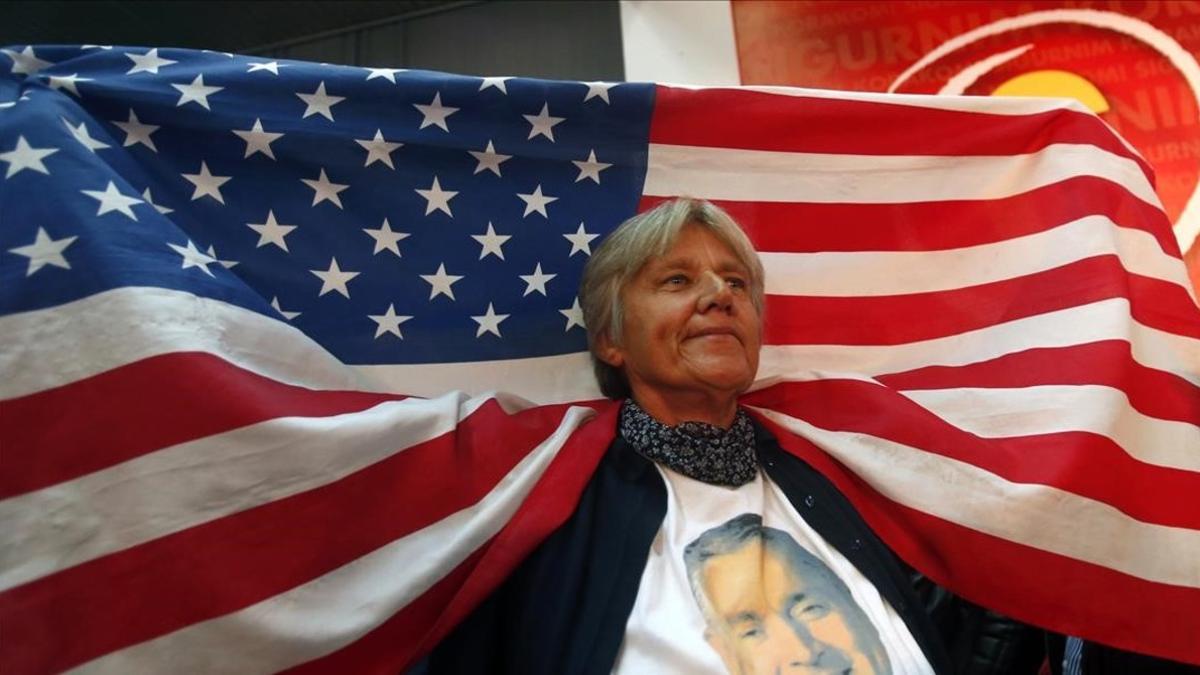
<point>695,247</point>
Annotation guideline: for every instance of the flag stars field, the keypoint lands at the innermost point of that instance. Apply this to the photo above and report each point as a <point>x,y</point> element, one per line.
<point>491,243</point>
<point>157,207</point>
<point>495,83</point>
<point>268,67</point>
<point>574,315</point>
<point>580,241</point>
<point>282,312</point>
<point>24,156</point>
<point>193,257</point>
<point>440,282</point>
<point>258,140</point>
<point>334,279</point>
<point>434,114</point>
<point>388,74</point>
<point>437,199</point>
<point>84,137</point>
<point>67,83</point>
<point>319,102</point>
<point>388,322</point>
<point>196,92</point>
<point>206,184</point>
<point>590,168</point>
<point>111,199</point>
<point>44,251</point>
<point>378,149</point>
<point>598,90</point>
<point>386,239</point>
<point>536,201</point>
<point>489,159</point>
<point>489,322</point>
<point>271,232</point>
<point>137,132</point>
<point>25,62</point>
<point>325,190</point>
<point>542,124</point>
<point>536,282</point>
<point>149,62</point>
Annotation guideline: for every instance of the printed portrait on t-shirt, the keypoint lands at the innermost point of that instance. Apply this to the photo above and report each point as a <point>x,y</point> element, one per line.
<point>770,606</point>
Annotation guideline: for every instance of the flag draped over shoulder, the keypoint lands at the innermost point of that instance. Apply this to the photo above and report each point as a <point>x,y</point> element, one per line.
<point>253,316</point>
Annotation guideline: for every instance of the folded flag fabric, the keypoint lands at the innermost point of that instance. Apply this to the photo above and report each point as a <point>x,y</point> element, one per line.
<point>294,371</point>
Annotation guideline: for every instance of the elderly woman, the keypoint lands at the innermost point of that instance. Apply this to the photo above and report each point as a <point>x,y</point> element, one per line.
<point>699,545</point>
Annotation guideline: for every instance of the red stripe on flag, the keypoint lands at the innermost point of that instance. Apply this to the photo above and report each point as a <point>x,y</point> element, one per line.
<point>938,226</point>
<point>228,564</point>
<point>1056,592</point>
<point>702,118</point>
<point>1109,363</point>
<point>411,634</point>
<point>1063,459</point>
<point>63,433</point>
<point>887,320</point>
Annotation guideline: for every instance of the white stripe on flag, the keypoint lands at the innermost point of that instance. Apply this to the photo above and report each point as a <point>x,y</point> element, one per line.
<point>1048,409</point>
<point>1068,524</point>
<point>206,479</point>
<point>874,273</point>
<point>337,608</point>
<point>767,176</point>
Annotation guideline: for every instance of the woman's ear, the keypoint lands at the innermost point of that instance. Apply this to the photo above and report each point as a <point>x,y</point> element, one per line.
<point>609,353</point>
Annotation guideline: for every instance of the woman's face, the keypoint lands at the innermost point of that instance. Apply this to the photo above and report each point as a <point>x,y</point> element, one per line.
<point>689,324</point>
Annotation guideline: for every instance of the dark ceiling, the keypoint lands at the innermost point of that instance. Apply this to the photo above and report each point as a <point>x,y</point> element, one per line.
<point>225,26</point>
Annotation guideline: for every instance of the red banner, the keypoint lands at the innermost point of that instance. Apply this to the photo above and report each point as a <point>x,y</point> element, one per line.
<point>1133,63</point>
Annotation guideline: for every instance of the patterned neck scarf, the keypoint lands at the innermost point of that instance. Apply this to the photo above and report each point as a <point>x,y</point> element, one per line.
<point>697,450</point>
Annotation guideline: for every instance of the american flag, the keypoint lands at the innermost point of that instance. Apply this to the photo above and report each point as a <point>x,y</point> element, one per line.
<point>294,368</point>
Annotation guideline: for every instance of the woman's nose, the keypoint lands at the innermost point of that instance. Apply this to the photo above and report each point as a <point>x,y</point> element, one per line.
<point>715,292</point>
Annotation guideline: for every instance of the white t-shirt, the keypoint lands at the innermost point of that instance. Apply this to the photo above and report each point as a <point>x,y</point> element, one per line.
<point>779,598</point>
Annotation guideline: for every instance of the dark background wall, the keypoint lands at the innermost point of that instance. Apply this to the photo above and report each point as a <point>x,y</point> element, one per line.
<point>567,40</point>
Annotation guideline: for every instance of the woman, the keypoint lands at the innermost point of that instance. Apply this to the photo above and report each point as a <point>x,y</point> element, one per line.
<point>698,545</point>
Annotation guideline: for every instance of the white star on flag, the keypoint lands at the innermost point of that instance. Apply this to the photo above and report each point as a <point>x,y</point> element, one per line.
<point>497,82</point>
<point>320,103</point>
<point>378,149</point>
<point>440,282</point>
<point>388,74</point>
<point>147,63</point>
<point>491,242</point>
<point>590,168</point>
<point>84,136</point>
<point>212,253</point>
<point>67,82</point>
<point>536,281</point>
<point>489,322</point>
<point>193,257</point>
<point>25,156</point>
<point>334,279</point>
<point>271,232</point>
<point>536,201</point>
<point>435,113</point>
<point>258,140</point>
<point>599,90</point>
<point>150,200</point>
<point>287,315</point>
<point>197,92</point>
<point>270,66</point>
<point>207,185</point>
<point>542,124</point>
<point>25,62</point>
<point>489,159</point>
<point>580,241</point>
<point>137,131</point>
<point>385,238</point>
<point>574,315</point>
<point>44,251</point>
<point>324,190</point>
<point>111,199</point>
<point>437,199</point>
<point>388,322</point>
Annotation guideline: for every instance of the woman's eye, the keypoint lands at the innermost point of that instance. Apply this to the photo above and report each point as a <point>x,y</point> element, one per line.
<point>736,282</point>
<point>676,280</point>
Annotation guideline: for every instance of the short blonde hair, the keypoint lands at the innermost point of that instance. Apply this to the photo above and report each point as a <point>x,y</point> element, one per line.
<point>623,254</point>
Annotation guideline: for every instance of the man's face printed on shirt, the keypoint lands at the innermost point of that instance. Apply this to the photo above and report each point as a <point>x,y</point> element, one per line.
<point>773,607</point>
